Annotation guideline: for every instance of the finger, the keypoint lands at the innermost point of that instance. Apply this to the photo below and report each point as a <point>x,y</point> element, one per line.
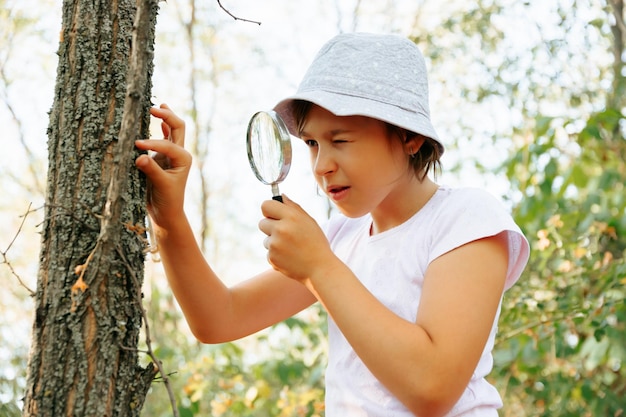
<point>272,209</point>
<point>265,226</point>
<point>148,166</point>
<point>166,130</point>
<point>177,156</point>
<point>290,202</point>
<point>175,125</point>
<point>157,177</point>
<point>275,210</point>
<point>163,161</point>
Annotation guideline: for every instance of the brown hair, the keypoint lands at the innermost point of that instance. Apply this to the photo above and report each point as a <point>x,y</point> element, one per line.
<point>427,158</point>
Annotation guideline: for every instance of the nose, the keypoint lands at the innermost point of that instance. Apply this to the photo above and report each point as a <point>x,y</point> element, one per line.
<point>323,162</point>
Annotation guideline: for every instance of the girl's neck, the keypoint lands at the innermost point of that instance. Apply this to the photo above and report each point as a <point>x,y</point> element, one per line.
<point>413,198</point>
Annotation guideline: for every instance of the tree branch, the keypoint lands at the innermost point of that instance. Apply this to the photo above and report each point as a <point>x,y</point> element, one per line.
<point>5,259</point>
<point>235,17</point>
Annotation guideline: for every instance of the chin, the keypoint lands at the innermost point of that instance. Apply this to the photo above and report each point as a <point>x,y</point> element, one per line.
<point>351,213</point>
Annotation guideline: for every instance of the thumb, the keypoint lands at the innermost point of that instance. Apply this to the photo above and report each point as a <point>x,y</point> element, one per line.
<point>290,202</point>
<point>148,166</point>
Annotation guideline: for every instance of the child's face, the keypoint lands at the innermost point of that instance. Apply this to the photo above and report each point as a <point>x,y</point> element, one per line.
<point>355,161</point>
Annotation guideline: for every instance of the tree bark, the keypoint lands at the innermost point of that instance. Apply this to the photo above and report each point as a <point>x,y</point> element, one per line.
<point>84,357</point>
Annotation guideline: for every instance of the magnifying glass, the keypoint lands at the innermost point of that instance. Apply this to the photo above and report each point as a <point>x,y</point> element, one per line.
<point>269,149</point>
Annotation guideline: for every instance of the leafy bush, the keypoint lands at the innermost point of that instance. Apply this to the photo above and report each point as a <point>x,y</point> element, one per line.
<point>562,344</point>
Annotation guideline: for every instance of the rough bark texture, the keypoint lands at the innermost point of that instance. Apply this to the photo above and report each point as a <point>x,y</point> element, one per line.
<point>84,358</point>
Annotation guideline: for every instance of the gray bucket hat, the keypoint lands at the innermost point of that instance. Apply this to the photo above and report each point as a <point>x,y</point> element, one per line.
<point>364,74</point>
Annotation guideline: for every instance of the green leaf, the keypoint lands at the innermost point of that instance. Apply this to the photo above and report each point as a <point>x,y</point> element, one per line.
<point>579,177</point>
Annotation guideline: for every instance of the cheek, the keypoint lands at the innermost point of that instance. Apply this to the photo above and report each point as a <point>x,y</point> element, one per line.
<point>312,161</point>
<point>396,158</point>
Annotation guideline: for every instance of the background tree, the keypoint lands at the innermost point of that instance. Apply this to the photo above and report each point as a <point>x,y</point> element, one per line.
<point>84,357</point>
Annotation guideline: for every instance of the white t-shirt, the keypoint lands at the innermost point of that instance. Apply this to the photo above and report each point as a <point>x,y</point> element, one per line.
<point>392,265</point>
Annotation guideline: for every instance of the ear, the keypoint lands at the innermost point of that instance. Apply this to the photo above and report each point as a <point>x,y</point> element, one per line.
<point>413,143</point>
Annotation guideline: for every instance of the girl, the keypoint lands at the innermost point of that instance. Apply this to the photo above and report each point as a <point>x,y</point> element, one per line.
<point>411,273</point>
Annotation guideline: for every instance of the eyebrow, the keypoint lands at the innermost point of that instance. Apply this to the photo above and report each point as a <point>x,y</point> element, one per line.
<point>333,132</point>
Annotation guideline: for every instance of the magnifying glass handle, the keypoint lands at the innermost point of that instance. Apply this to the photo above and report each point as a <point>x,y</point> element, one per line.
<point>276,194</point>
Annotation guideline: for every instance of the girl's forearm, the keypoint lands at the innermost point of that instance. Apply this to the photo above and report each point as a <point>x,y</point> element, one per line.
<point>217,313</point>
<point>399,353</point>
<point>202,296</point>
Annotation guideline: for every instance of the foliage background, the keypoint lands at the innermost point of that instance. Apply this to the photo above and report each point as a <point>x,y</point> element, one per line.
<point>529,97</point>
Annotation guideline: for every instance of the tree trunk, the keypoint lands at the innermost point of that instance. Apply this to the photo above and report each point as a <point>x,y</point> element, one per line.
<point>84,357</point>
<point>616,99</point>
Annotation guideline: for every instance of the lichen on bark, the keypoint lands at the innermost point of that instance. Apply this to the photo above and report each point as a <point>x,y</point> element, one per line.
<point>84,359</point>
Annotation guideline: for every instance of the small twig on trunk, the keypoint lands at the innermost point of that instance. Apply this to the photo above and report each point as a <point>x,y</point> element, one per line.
<point>5,259</point>
<point>235,17</point>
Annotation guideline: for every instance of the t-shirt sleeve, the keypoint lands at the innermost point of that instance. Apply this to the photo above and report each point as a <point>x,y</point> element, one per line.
<point>470,214</point>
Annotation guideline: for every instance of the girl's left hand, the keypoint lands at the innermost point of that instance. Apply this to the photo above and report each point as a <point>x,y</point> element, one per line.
<point>295,243</point>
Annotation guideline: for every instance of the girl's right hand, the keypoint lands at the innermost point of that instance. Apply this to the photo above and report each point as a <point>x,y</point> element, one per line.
<point>168,170</point>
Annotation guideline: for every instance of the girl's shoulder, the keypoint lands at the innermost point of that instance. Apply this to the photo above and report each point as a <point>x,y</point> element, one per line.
<point>464,215</point>
<point>467,196</point>
<point>466,202</point>
<point>467,205</point>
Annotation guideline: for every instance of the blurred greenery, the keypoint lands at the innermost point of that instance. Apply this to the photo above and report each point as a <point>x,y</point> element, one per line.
<point>279,372</point>
<point>562,350</point>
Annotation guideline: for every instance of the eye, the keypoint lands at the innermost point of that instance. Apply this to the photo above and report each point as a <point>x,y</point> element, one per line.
<point>310,143</point>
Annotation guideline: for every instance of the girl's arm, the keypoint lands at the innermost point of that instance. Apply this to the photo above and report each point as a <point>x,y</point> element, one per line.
<point>426,364</point>
<point>215,313</point>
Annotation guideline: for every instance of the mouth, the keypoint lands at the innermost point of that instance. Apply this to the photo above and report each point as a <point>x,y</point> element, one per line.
<point>336,192</point>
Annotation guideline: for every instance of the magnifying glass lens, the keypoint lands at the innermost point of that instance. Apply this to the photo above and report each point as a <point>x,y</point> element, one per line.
<point>266,149</point>
<point>269,149</point>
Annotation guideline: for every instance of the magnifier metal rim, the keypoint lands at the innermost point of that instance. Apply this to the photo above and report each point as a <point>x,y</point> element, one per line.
<point>284,141</point>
